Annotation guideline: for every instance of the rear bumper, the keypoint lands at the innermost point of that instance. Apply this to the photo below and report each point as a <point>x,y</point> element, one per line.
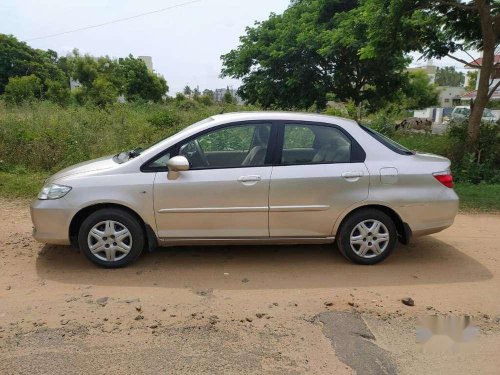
<point>50,221</point>
<point>431,217</point>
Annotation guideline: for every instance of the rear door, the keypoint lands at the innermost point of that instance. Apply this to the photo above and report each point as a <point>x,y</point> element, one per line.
<point>319,173</point>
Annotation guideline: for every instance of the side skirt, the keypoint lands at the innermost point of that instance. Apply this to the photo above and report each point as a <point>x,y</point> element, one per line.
<point>245,241</point>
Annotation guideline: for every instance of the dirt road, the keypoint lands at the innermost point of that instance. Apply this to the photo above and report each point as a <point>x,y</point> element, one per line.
<point>247,310</point>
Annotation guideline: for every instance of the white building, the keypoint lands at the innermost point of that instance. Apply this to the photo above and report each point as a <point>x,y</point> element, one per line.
<point>494,79</point>
<point>449,96</point>
<point>148,60</point>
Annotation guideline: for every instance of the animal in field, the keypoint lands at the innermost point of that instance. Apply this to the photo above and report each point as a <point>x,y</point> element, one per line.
<point>416,124</point>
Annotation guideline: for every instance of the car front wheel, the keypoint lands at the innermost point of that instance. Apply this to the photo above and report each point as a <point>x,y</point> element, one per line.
<point>367,237</point>
<point>111,238</point>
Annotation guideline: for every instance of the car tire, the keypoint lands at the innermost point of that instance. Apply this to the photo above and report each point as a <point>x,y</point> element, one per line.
<point>111,238</point>
<point>368,236</point>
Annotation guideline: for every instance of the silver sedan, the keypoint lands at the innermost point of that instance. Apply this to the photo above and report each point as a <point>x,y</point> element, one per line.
<point>250,178</point>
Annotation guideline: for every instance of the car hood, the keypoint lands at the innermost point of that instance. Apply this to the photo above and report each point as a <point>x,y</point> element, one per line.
<point>100,164</point>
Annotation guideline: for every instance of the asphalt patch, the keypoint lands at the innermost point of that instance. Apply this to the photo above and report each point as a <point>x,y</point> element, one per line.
<point>354,343</point>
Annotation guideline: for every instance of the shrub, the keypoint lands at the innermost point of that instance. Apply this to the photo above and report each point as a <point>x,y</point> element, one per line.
<point>23,89</point>
<point>206,100</point>
<point>45,137</point>
<point>58,92</point>
<point>164,119</point>
<point>102,93</point>
<point>466,166</point>
<point>383,123</point>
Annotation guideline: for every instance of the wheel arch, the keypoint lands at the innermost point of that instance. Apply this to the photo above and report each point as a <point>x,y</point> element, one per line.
<point>83,213</point>
<point>403,229</point>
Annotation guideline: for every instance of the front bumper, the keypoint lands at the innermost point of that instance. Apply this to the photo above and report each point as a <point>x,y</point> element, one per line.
<point>51,219</point>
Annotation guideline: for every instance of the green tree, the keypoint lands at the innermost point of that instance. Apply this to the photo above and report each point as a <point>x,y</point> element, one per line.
<point>196,93</point>
<point>208,92</point>
<point>293,60</point>
<point>472,80</point>
<point>23,89</point>
<point>448,76</point>
<point>438,28</point>
<point>139,82</point>
<point>17,59</point>
<point>206,99</point>
<point>187,91</point>
<point>102,92</point>
<point>228,97</point>
<point>58,92</point>
<point>420,92</point>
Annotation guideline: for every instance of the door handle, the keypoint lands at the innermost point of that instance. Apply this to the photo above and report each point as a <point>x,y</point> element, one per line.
<point>352,174</point>
<point>251,178</point>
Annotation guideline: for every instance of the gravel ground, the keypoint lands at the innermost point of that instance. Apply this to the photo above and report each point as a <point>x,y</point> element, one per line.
<point>247,310</point>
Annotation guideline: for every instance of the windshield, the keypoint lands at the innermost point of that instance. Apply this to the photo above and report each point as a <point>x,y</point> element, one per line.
<point>124,156</point>
<point>387,142</point>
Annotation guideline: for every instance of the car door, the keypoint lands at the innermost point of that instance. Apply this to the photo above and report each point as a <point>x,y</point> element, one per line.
<point>319,173</point>
<point>225,192</point>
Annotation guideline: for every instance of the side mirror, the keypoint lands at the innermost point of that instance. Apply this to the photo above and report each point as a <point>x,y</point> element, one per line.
<point>178,164</point>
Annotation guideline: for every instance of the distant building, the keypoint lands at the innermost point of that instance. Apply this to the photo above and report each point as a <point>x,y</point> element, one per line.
<point>219,95</point>
<point>450,96</point>
<point>148,60</point>
<point>494,79</point>
<point>429,69</point>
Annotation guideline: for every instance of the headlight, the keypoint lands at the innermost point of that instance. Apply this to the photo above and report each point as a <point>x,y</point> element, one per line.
<point>53,191</point>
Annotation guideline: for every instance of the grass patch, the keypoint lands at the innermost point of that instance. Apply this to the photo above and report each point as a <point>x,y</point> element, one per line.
<point>431,143</point>
<point>24,185</point>
<point>482,197</point>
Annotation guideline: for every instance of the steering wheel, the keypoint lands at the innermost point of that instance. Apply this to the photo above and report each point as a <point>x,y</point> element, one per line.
<point>200,152</point>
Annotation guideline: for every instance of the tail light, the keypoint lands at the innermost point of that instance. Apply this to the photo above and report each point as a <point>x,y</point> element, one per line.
<point>445,178</point>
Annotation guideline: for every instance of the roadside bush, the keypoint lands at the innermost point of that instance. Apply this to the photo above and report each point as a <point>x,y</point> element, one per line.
<point>468,168</point>
<point>58,92</point>
<point>383,124</point>
<point>205,100</point>
<point>165,119</point>
<point>23,89</point>
<point>45,137</point>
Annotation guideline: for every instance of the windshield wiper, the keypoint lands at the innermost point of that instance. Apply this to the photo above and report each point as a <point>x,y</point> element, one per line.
<point>134,153</point>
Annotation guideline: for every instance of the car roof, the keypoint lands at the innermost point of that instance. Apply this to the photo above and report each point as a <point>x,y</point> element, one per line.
<point>281,115</point>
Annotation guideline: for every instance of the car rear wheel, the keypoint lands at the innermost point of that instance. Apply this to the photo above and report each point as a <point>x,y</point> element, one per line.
<point>367,237</point>
<point>111,238</point>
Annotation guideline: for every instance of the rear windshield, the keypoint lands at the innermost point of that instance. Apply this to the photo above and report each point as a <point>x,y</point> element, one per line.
<point>387,142</point>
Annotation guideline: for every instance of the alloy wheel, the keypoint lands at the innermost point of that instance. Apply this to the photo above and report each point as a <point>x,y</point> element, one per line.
<point>369,238</point>
<point>109,240</point>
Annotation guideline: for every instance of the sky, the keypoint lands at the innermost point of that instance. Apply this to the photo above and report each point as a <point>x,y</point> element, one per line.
<point>185,42</point>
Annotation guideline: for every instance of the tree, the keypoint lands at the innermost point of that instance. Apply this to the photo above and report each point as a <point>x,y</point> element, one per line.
<point>58,92</point>
<point>17,59</point>
<point>228,97</point>
<point>138,82</point>
<point>420,92</point>
<point>206,99</point>
<point>448,76</point>
<point>295,59</point>
<point>187,91</point>
<point>208,92</point>
<point>471,80</point>
<point>23,89</point>
<point>438,28</point>
<point>196,93</point>
<point>102,93</point>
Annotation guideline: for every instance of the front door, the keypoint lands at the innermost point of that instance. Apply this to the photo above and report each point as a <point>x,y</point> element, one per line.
<point>225,192</point>
<point>316,180</point>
